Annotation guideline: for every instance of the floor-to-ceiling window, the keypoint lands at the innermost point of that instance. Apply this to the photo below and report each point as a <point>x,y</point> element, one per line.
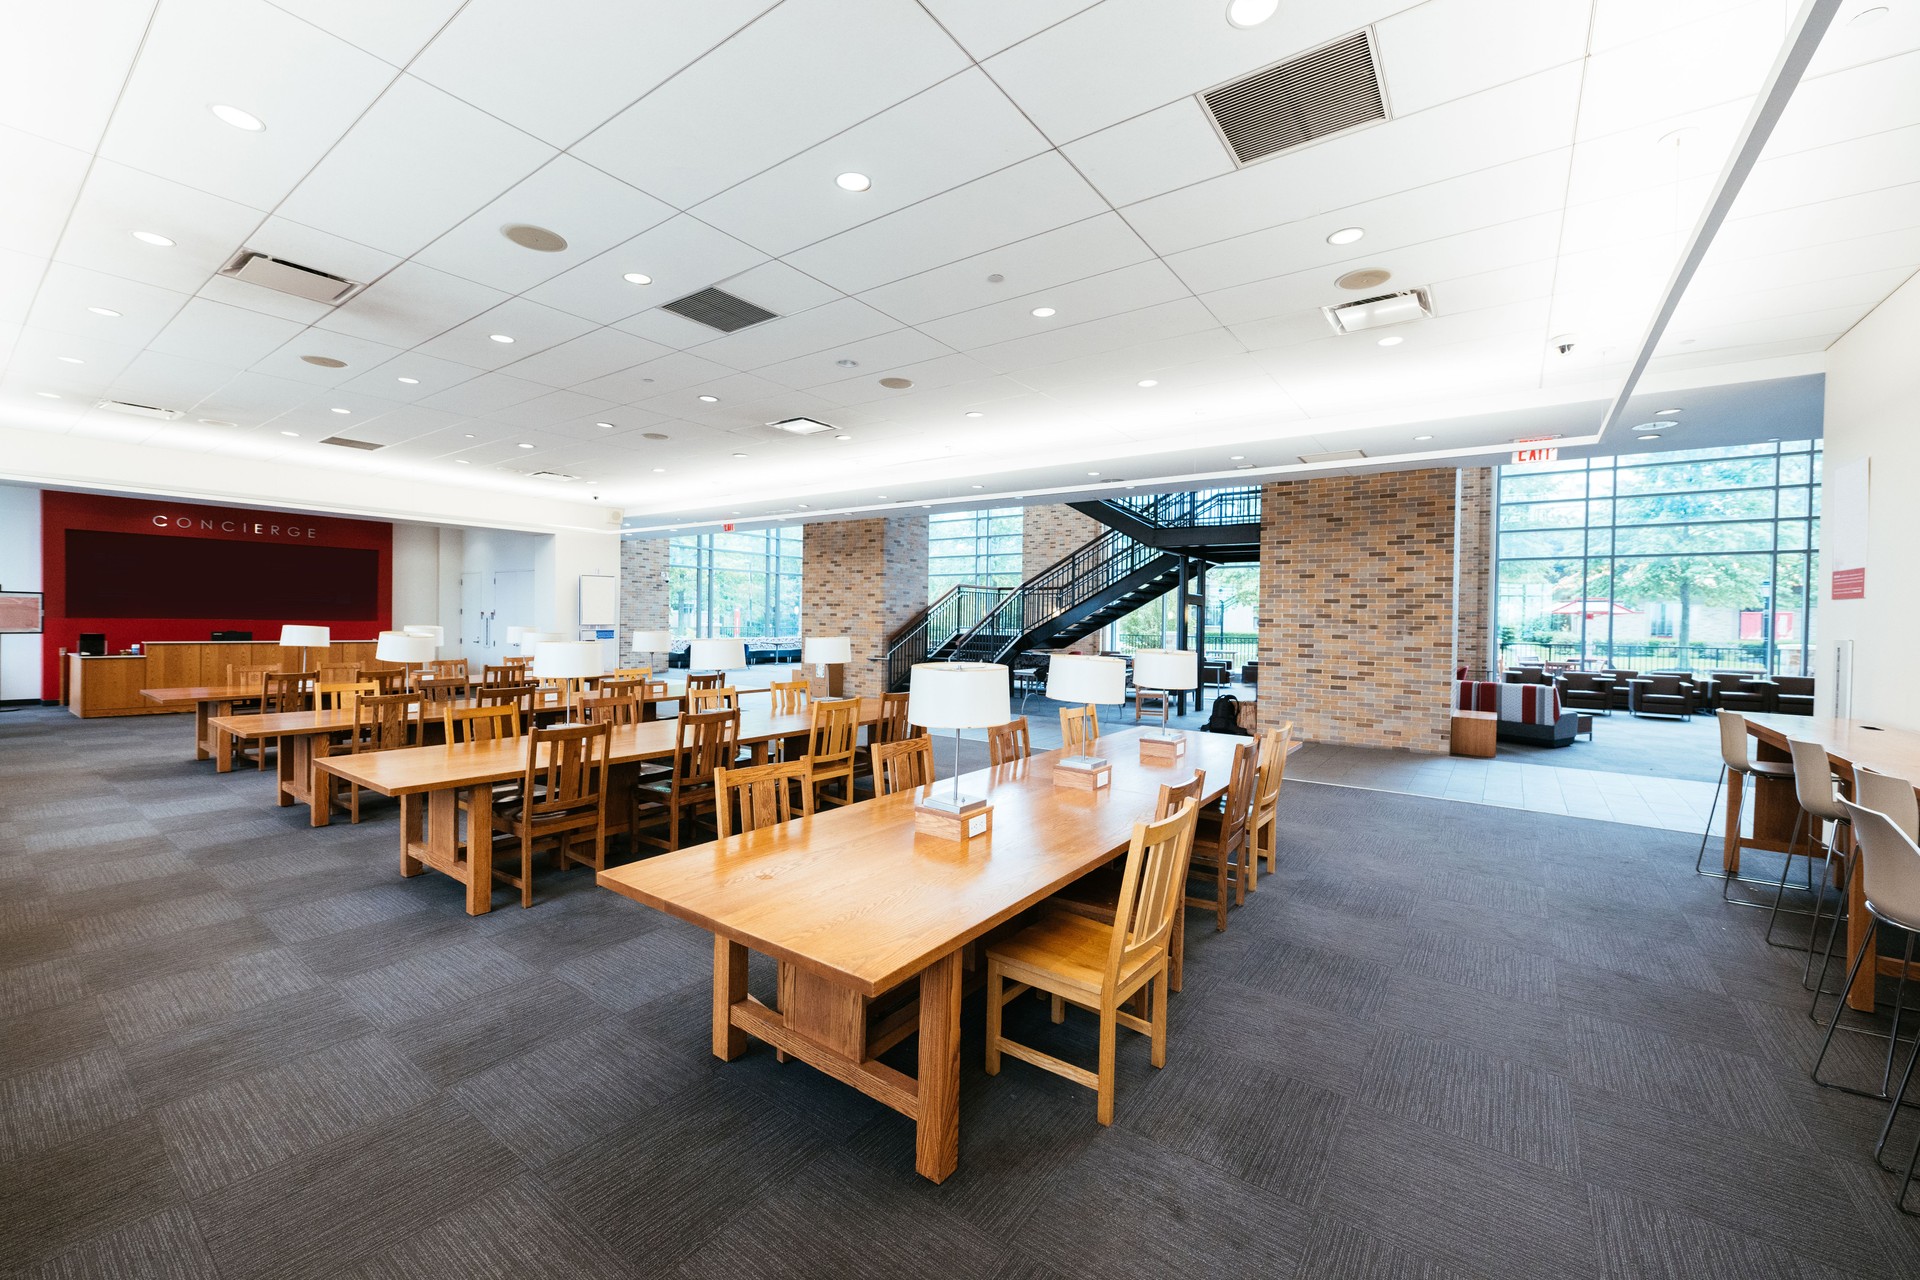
<point>736,584</point>
<point>1233,628</point>
<point>974,548</point>
<point>1699,560</point>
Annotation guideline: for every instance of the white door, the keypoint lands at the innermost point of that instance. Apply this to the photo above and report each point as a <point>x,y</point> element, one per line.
<point>512,606</point>
<point>476,602</point>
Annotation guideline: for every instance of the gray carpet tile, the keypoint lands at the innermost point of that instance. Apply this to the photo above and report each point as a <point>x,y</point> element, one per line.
<point>1443,1041</point>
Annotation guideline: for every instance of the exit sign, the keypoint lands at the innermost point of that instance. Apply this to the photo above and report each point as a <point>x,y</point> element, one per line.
<point>1535,450</point>
<point>727,527</point>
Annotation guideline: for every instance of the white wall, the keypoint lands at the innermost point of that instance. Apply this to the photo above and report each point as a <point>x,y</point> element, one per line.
<point>1873,412</point>
<point>19,571</point>
<point>427,563</point>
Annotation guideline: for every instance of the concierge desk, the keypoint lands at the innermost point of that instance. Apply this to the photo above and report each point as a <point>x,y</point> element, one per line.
<point>110,685</point>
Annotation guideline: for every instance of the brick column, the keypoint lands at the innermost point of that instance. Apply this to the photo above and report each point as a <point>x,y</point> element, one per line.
<point>865,579</point>
<point>1356,608</point>
<point>643,594</point>
<point>1473,645</point>
<point>1052,533</point>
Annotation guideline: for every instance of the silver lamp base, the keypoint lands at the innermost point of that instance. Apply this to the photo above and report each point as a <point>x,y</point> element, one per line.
<point>1085,763</point>
<point>953,804</point>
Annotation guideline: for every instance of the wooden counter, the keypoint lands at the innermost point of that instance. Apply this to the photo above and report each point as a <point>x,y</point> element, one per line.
<point>110,685</point>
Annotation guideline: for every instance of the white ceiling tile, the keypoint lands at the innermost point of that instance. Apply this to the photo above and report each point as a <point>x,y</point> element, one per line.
<point>607,52</point>
<point>1153,153</point>
<point>1868,99</point>
<point>590,210</point>
<point>271,302</point>
<point>1687,68</point>
<point>1125,57</point>
<point>20,275</point>
<point>1086,248</point>
<point>1618,22</point>
<point>386,30</point>
<point>1130,328</point>
<point>430,377</point>
<point>224,335</point>
<point>785,337</point>
<point>681,255</point>
<point>306,85</point>
<point>1877,163</point>
<point>885,355</point>
<point>592,355</point>
<point>289,241</point>
<point>411,304</point>
<point>950,134</point>
<point>415,164</point>
<point>797,76</point>
<point>656,378</point>
<point>666,328</point>
<point>552,409</point>
<point>67,291</point>
<point>1807,263</point>
<point>361,355</point>
<point>532,327</point>
<point>1849,44</point>
<point>485,394</point>
<point>1515,120</point>
<point>168,381</point>
<point>1445,49</point>
<point>117,201</point>
<point>780,288</point>
<point>986,27</point>
<point>733,394</point>
<point>44,180</point>
<point>62,66</point>
<point>1727,306</point>
<point>1030,197</point>
<point>1144,284</point>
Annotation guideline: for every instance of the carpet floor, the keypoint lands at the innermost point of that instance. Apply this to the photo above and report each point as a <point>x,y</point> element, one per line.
<point>1445,1040</point>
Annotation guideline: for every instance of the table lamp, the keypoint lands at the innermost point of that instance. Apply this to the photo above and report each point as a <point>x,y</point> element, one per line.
<point>716,655</point>
<point>304,638</point>
<point>956,696</point>
<point>1083,677</point>
<point>528,638</point>
<point>405,648</point>
<point>437,634</point>
<point>570,661</point>
<point>1169,670</point>
<point>651,642</point>
<point>829,656</point>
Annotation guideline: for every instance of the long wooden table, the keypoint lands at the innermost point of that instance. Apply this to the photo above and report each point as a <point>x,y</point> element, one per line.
<point>1849,744</point>
<point>430,780</point>
<point>856,902</point>
<point>209,702</point>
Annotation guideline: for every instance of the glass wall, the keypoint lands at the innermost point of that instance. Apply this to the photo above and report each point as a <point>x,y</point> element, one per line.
<point>1233,626</point>
<point>974,548</point>
<point>736,584</point>
<point>1665,561</point>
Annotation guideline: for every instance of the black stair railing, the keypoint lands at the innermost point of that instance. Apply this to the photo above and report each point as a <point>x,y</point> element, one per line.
<point>1201,508</point>
<point>1059,588</point>
<point>956,611</point>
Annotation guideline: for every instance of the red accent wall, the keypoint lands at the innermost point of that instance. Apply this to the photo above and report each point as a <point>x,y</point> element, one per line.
<point>279,546</point>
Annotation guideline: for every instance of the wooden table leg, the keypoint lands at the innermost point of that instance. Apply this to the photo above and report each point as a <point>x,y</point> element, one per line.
<point>1736,799</point>
<point>479,847</point>
<point>320,787</point>
<point>413,811</point>
<point>222,751</point>
<point>201,741</point>
<point>937,1131</point>
<point>729,986</point>
<point>289,760</point>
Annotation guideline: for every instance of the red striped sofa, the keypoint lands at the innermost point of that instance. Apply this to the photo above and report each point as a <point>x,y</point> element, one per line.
<point>1528,712</point>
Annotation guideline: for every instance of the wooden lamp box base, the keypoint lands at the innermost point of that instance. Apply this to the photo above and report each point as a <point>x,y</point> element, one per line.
<point>1155,749</point>
<point>1082,777</point>
<point>961,828</point>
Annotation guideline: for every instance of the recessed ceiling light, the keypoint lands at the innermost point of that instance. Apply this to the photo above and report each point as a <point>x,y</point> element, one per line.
<point>51,395</point>
<point>709,399</point>
<point>153,238</point>
<point>653,435</point>
<point>853,182</point>
<point>71,360</point>
<point>976,486</point>
<point>658,470</point>
<point>1664,412</point>
<point>1661,425</point>
<point>294,434</point>
<point>897,384</point>
<point>1043,312</point>
<point>215,422</point>
<point>1392,341</point>
<point>975,413</point>
<point>844,439</point>
<point>635,277</point>
<point>325,362</point>
<point>1236,457</point>
<point>467,437</point>
<point>1651,435</point>
<point>1093,473</point>
<point>538,239</point>
<point>343,411</point>
<point>236,117</point>
<point>500,337</point>
<point>103,311</point>
<point>739,455</point>
<point>801,505</point>
<point>526,446</point>
<point>1147,382</point>
<point>1346,235</point>
<point>1245,466</point>
<point>463,462</point>
<point>882,497</point>
<point>607,425</point>
<point>412,382</point>
<point>848,364</point>
<point>1250,13</point>
<point>1418,439</point>
<point>1868,16</point>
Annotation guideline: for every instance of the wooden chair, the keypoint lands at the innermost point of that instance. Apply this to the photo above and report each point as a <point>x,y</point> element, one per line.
<point>713,698</point>
<point>1220,843</point>
<point>449,668</point>
<point>390,679</point>
<point>282,691</point>
<point>563,799</point>
<point>338,673</point>
<point>521,660</point>
<point>1264,826</point>
<point>891,726</point>
<point>381,722</point>
<point>1100,967</point>
<point>902,766</point>
<point>478,724</point>
<point>498,675</point>
<point>762,795</point>
<point>831,735</point>
<point>704,742</point>
<point>1096,895</point>
<point>518,696</point>
<point>617,686</point>
<point>436,693</point>
<point>248,677</point>
<point>628,673</point>
<point>789,697</point>
<point>1161,700</point>
<point>705,680</point>
<point>1079,730</point>
<point>341,697</point>
<point>1009,742</point>
<point>611,708</point>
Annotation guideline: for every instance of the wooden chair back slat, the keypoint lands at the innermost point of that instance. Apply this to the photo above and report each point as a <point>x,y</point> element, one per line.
<point>337,673</point>
<point>566,768</point>
<point>286,691</point>
<point>517,696</point>
<point>341,697</point>
<point>761,795</point>
<point>436,691</point>
<point>611,708</point>
<point>499,675</point>
<point>449,668</point>
<point>1152,889</point>
<point>713,698</point>
<point>704,743</point>
<point>479,724</point>
<point>1241,785</point>
<point>902,766</point>
<point>1009,742</point>
<point>248,677</point>
<point>705,680</point>
<point>789,696</point>
<point>390,679</point>
<point>1079,729</point>
<point>383,722</point>
<point>892,725</point>
<point>1175,794</point>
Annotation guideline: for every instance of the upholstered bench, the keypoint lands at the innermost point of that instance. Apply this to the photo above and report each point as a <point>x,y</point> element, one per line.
<point>1527,712</point>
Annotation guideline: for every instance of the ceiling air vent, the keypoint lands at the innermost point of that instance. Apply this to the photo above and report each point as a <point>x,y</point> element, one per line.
<point>800,426</point>
<point>139,410</point>
<point>1338,455</point>
<point>551,475</point>
<point>1403,307</point>
<point>290,277</point>
<point>718,309</point>
<point>345,443</point>
<point>1302,100</point>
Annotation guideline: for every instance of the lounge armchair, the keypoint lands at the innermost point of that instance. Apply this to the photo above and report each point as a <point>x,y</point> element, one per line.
<point>1793,695</point>
<point>1621,679</point>
<point>1527,712</point>
<point>1664,695</point>
<point>1586,691</point>
<point>1742,692</point>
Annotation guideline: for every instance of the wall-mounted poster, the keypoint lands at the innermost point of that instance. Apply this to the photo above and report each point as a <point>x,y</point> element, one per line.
<point>21,613</point>
<point>1843,511</point>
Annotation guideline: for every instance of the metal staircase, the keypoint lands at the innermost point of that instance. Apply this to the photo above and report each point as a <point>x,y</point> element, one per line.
<point>1149,543</point>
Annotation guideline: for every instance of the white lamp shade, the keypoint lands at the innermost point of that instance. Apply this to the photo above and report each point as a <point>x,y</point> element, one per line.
<point>1166,669</point>
<point>437,634</point>
<point>305,637</point>
<point>652,641</point>
<point>827,650</point>
<point>958,695</point>
<point>514,634</point>
<point>403,646</point>
<point>1082,677</point>
<point>716,655</point>
<point>528,638</point>
<point>567,659</point>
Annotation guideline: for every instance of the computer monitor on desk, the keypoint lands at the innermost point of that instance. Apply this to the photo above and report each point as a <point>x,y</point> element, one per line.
<point>233,635</point>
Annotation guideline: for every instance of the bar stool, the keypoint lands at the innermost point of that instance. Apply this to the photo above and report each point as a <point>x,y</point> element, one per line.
<point>1819,804</point>
<point>1890,879</point>
<point>1733,756</point>
<point>1882,793</point>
